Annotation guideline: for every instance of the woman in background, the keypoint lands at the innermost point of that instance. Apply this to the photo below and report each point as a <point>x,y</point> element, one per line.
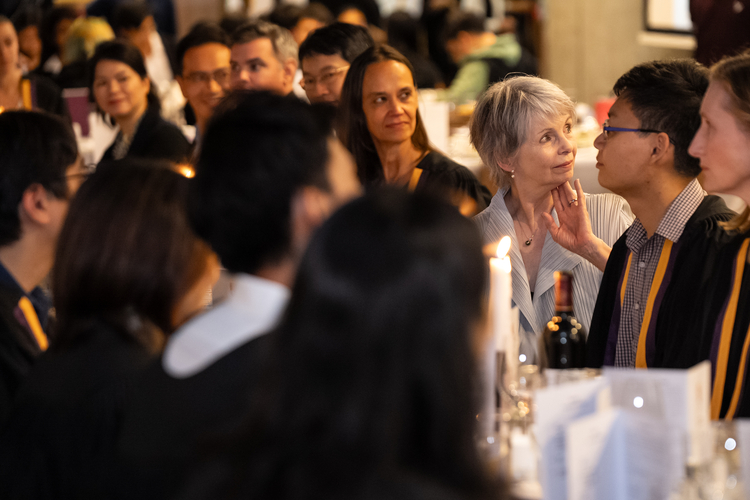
<point>368,391</point>
<point>128,271</point>
<point>24,92</point>
<point>379,123</point>
<point>123,91</point>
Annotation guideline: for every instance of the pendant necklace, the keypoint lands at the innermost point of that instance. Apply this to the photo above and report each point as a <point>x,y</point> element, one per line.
<point>527,242</point>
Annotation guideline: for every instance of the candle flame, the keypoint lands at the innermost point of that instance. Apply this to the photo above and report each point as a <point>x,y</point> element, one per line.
<point>503,247</point>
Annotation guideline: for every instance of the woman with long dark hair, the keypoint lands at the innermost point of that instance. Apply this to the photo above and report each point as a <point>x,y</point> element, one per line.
<point>122,90</point>
<point>381,126</point>
<point>369,387</point>
<point>128,271</point>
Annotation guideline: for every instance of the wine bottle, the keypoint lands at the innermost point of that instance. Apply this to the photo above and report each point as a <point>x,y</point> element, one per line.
<point>563,342</point>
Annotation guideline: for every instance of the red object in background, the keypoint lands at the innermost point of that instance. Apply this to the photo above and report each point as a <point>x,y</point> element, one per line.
<point>78,107</point>
<point>601,108</point>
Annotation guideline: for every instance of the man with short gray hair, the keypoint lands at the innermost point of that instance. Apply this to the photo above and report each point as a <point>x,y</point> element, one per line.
<point>264,57</point>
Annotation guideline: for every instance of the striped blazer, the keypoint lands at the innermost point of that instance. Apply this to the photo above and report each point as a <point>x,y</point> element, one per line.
<point>610,217</point>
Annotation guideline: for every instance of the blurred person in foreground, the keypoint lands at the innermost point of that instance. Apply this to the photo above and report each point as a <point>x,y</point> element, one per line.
<point>483,57</point>
<point>654,271</point>
<point>379,122</point>
<point>523,129</point>
<point>40,172</point>
<point>123,91</point>
<point>722,144</point>
<point>19,91</point>
<point>326,56</point>
<point>256,203</point>
<point>369,380</point>
<point>204,70</point>
<point>128,271</point>
<point>264,57</point>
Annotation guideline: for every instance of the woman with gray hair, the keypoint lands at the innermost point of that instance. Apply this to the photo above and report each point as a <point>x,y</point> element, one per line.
<point>523,130</point>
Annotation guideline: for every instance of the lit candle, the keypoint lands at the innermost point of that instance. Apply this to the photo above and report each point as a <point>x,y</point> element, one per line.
<point>501,294</point>
<point>500,297</point>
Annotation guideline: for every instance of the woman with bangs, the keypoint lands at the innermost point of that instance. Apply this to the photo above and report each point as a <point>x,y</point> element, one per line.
<point>522,129</point>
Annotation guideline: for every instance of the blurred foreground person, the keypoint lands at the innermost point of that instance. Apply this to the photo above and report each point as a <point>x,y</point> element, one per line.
<point>40,172</point>
<point>368,382</point>
<point>128,270</point>
<point>256,202</point>
<point>379,122</point>
<point>723,146</point>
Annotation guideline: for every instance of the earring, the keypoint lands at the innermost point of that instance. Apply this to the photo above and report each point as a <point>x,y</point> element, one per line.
<point>513,174</point>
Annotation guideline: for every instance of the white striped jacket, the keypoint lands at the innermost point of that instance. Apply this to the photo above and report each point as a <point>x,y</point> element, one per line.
<point>610,217</point>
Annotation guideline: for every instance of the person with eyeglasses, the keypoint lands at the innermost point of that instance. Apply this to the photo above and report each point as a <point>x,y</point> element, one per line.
<point>655,272</point>
<point>40,171</point>
<point>325,57</point>
<point>204,71</point>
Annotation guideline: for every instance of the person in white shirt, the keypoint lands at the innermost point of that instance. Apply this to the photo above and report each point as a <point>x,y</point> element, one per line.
<point>256,202</point>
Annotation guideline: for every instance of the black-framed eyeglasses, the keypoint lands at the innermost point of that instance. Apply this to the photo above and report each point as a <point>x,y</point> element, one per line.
<point>608,129</point>
<point>220,76</point>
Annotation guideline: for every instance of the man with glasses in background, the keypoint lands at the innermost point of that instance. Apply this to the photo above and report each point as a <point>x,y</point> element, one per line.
<point>655,271</point>
<point>326,55</point>
<point>204,71</point>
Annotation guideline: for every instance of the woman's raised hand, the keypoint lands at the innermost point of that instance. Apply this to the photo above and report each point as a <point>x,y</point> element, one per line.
<point>574,230</point>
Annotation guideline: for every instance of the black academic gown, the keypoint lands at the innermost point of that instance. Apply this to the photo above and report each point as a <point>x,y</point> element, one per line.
<point>156,139</point>
<point>678,342</point>
<point>58,439</point>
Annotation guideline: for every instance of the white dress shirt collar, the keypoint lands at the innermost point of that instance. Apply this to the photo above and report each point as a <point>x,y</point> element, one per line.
<point>253,308</point>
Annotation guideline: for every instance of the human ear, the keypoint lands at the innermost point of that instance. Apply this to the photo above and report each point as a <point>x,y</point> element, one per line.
<point>35,205</point>
<point>660,146</point>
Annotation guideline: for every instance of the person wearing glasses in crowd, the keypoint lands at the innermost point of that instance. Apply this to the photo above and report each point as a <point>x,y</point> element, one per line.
<point>40,171</point>
<point>203,70</point>
<point>325,57</point>
<point>723,146</point>
<point>654,271</point>
<point>263,57</point>
<point>124,92</point>
<point>523,128</point>
<point>379,122</point>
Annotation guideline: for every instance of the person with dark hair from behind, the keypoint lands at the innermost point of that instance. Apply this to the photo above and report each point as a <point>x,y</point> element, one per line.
<point>369,383</point>
<point>256,202</point>
<point>300,21</point>
<point>203,71</point>
<point>405,34</point>
<point>379,122</point>
<point>53,32</point>
<point>128,271</point>
<point>651,275</point>
<point>27,23</point>
<point>264,57</point>
<point>19,91</point>
<point>39,172</point>
<point>123,90</point>
<point>325,58</point>
<point>483,57</point>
